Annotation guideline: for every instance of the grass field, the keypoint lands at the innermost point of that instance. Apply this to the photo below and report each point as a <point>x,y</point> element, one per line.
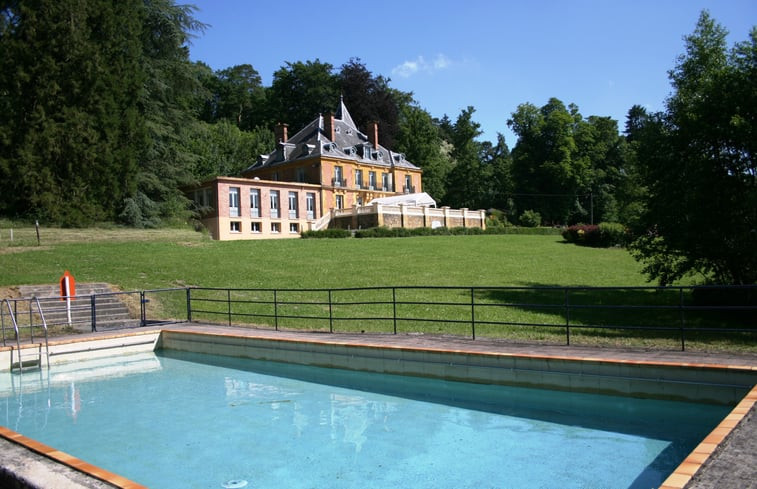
<point>142,260</point>
<point>133,259</point>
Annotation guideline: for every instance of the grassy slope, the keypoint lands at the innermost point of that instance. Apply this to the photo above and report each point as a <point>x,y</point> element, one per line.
<point>157,260</point>
<point>140,260</point>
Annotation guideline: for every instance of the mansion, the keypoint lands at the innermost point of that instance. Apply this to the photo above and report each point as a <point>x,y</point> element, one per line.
<point>329,174</point>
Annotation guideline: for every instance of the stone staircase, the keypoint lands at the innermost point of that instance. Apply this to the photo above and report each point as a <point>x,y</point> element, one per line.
<point>110,310</point>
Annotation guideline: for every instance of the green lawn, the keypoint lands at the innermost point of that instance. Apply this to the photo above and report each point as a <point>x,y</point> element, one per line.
<point>177,258</point>
<point>144,260</point>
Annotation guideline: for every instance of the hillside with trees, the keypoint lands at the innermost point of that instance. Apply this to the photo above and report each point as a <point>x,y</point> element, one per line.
<point>103,117</point>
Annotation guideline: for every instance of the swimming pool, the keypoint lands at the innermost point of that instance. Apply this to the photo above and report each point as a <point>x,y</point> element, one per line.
<point>178,419</point>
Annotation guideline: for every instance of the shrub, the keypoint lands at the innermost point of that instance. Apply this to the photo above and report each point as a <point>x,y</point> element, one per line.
<point>613,234</point>
<point>327,233</point>
<point>604,235</point>
<point>530,219</point>
<point>496,218</point>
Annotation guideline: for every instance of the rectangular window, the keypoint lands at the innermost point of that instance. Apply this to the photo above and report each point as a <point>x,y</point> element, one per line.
<point>310,205</point>
<point>294,228</point>
<point>275,227</point>
<point>340,201</point>
<point>372,180</point>
<point>300,175</point>
<point>233,201</point>
<point>293,205</point>
<point>338,180</point>
<point>408,184</point>
<point>236,226</point>
<point>275,203</point>
<point>358,178</point>
<point>255,227</point>
<point>254,202</point>
<point>208,198</point>
<point>385,182</point>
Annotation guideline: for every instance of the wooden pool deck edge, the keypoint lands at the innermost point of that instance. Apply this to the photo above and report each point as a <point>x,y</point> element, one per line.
<point>677,480</point>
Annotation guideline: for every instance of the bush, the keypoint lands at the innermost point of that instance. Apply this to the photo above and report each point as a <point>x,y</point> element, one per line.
<point>613,234</point>
<point>530,219</point>
<point>496,219</point>
<point>604,235</point>
<point>327,233</point>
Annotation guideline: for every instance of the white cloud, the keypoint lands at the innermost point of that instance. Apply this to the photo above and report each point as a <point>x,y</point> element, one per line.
<point>441,62</point>
<point>411,67</point>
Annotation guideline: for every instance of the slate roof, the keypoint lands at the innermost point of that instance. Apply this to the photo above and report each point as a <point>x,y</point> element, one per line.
<point>349,143</point>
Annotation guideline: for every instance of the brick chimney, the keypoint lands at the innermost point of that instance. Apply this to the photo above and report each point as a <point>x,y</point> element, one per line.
<point>373,133</point>
<point>328,126</point>
<point>280,131</point>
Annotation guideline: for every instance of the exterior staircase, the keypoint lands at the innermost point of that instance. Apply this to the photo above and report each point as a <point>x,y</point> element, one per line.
<point>109,310</point>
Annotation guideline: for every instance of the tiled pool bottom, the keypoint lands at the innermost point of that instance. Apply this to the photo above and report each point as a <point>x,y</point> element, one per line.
<point>451,365</point>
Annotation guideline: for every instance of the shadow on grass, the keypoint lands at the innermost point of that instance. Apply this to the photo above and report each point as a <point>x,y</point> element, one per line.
<point>648,317</point>
<point>644,316</point>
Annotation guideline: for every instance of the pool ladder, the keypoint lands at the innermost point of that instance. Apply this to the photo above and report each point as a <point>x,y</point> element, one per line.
<point>29,357</point>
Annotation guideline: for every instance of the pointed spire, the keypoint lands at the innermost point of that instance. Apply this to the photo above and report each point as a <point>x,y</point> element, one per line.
<point>342,113</point>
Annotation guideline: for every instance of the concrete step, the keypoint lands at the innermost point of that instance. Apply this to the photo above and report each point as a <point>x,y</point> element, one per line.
<point>108,308</point>
<point>53,290</point>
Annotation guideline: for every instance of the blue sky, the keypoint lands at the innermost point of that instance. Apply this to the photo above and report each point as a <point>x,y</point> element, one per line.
<point>603,56</point>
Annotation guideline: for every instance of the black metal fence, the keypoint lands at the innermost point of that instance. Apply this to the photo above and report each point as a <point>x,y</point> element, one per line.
<point>671,317</point>
<point>640,316</point>
<point>89,313</point>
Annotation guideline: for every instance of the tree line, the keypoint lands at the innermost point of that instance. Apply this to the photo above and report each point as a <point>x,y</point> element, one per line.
<point>104,117</point>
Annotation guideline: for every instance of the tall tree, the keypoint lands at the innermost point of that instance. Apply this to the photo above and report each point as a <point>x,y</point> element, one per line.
<point>497,174</point>
<point>234,94</point>
<point>171,86</point>
<point>466,181</point>
<point>70,84</point>
<point>548,171</point>
<point>599,146</point>
<point>370,98</point>
<point>419,139</point>
<point>300,91</point>
<point>223,149</point>
<point>698,164</point>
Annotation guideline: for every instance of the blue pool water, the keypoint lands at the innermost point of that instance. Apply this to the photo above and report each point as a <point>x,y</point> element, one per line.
<point>179,420</point>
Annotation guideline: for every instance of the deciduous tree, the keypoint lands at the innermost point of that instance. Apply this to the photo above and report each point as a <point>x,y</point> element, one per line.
<point>697,162</point>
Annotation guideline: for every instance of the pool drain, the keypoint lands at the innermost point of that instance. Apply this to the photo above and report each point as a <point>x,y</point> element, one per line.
<point>234,484</point>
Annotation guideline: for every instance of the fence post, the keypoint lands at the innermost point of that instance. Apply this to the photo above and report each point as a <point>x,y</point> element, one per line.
<point>331,315</point>
<point>189,304</point>
<point>683,318</point>
<point>31,321</point>
<point>228,303</point>
<point>473,312</point>
<point>143,307</point>
<point>394,308</point>
<point>93,311</point>
<point>275,310</point>
<point>567,318</point>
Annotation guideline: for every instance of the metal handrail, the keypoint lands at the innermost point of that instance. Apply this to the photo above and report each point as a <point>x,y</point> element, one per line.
<point>15,328</point>
<point>13,319</point>
<point>44,327</point>
<point>33,300</point>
